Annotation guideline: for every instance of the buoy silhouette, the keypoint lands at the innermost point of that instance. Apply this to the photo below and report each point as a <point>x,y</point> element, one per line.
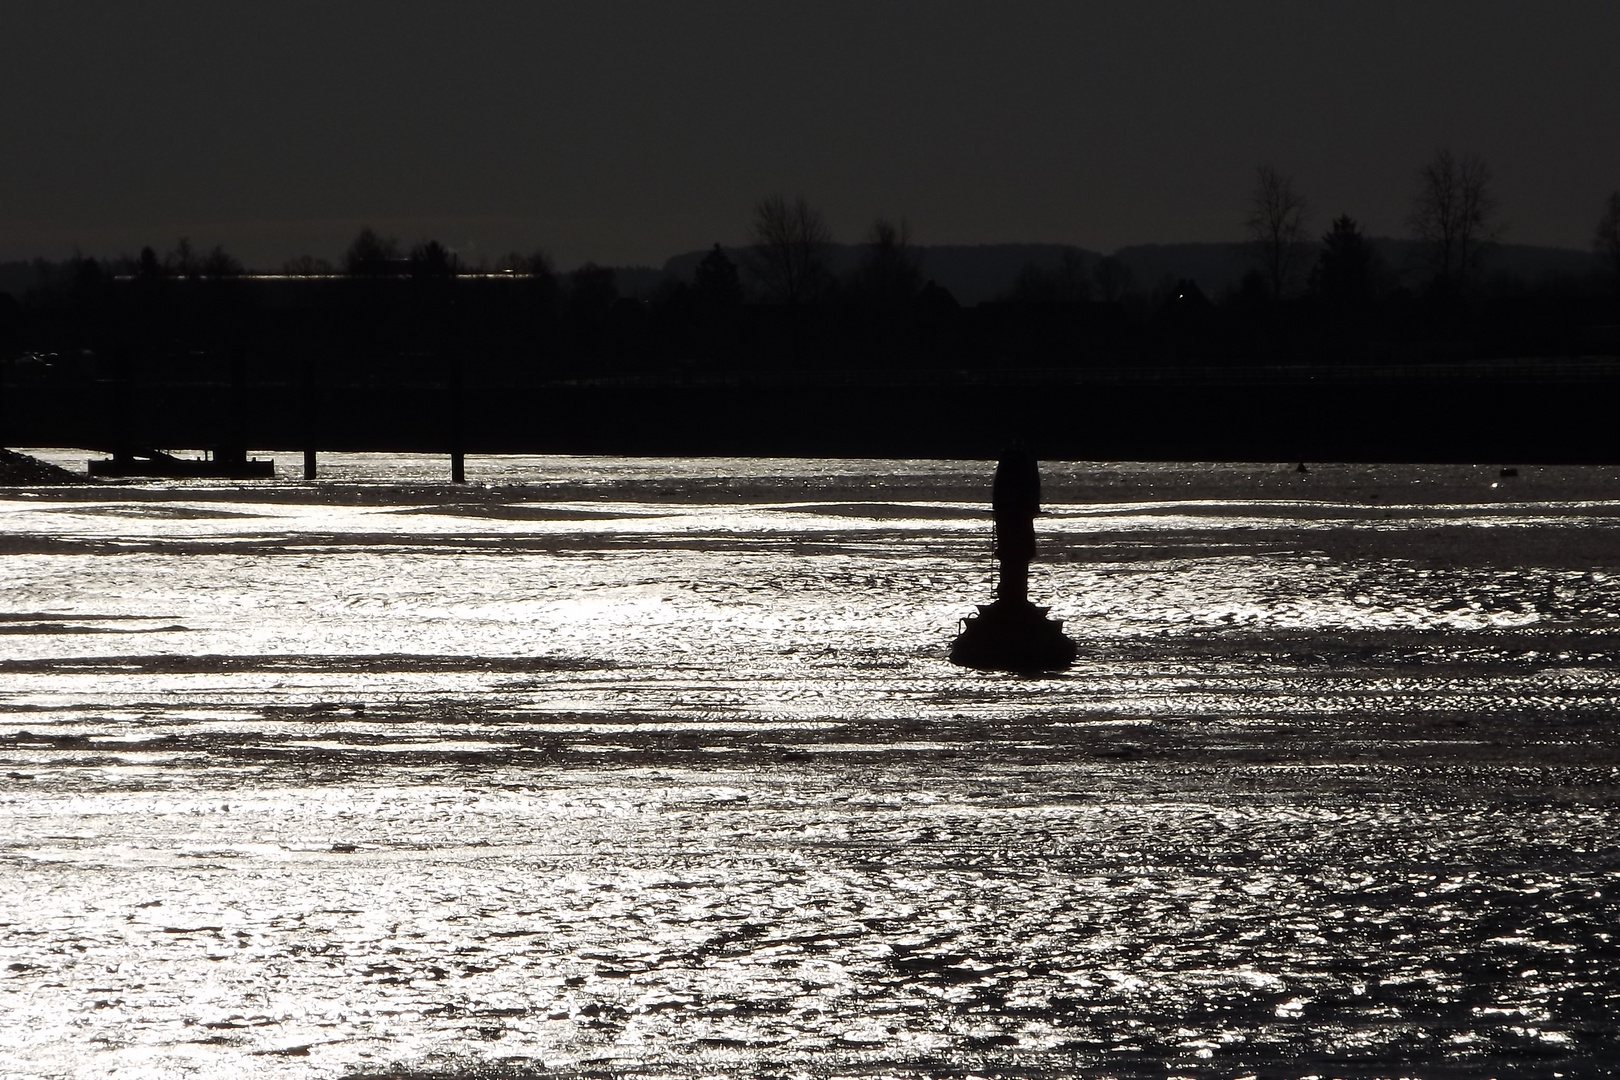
<point>1012,634</point>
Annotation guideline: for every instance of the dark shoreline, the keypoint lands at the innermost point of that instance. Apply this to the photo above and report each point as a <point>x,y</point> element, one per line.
<point>1528,412</point>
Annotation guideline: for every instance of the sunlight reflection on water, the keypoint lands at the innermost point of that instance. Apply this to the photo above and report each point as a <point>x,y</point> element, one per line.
<point>639,764</point>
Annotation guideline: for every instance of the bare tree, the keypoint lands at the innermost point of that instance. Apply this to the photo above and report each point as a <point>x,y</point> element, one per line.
<point>221,264</point>
<point>888,272</point>
<point>592,290</point>
<point>1113,277</point>
<point>183,261</point>
<point>544,291</point>
<point>536,264</point>
<point>1065,283</point>
<point>1607,238</point>
<point>370,254</point>
<point>1276,226</point>
<point>1454,216</point>
<point>789,250</point>
<point>431,259</point>
<point>307,266</point>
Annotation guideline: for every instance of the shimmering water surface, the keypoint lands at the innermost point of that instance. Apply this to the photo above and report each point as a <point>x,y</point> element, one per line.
<point>647,767</point>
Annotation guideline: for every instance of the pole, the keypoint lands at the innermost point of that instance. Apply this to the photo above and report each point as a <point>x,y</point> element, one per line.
<point>311,418</point>
<point>458,456</point>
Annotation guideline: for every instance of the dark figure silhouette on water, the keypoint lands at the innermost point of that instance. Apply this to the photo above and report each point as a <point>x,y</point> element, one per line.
<point>1013,634</point>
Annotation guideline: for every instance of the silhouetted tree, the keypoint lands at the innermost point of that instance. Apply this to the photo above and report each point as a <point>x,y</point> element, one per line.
<point>540,266</point>
<point>221,264</point>
<point>86,276</point>
<point>307,266</point>
<point>1276,225</point>
<point>1065,283</point>
<point>1183,307</point>
<point>432,259</point>
<point>1454,216</point>
<point>592,290</point>
<point>1113,278</point>
<point>1343,274</point>
<point>183,260</point>
<point>11,317</point>
<point>1607,238</point>
<point>790,242</point>
<point>716,281</point>
<point>370,254</point>
<point>148,266</point>
<point>79,292</point>
<point>1253,291</point>
<point>537,267</point>
<point>536,264</point>
<point>888,272</point>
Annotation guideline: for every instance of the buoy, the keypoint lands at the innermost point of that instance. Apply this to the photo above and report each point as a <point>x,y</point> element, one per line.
<point>1012,634</point>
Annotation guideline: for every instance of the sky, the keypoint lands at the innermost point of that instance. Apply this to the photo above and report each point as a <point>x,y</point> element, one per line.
<point>628,132</point>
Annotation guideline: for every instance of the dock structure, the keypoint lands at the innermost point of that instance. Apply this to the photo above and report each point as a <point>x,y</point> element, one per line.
<point>1011,633</point>
<point>222,464</point>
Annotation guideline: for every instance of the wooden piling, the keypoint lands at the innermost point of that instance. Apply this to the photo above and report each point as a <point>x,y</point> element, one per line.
<point>311,418</point>
<point>458,456</point>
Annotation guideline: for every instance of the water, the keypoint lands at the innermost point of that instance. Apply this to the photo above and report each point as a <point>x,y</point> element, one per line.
<point>640,767</point>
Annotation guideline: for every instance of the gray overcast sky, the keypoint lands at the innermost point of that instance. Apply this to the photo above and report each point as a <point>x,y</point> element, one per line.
<point>627,132</point>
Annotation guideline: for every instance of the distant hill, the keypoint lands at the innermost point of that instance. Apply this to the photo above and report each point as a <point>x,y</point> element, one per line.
<point>1217,268</point>
<point>972,272</point>
<point>978,272</point>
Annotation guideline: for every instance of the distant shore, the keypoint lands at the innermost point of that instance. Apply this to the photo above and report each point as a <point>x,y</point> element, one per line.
<point>1528,412</point>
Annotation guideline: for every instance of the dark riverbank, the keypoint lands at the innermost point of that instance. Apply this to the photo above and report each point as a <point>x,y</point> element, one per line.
<point>528,363</point>
<point>22,470</point>
<point>1531,411</point>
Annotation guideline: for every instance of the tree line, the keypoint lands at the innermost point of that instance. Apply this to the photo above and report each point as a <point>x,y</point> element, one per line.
<point>780,300</point>
<point>1454,219</point>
